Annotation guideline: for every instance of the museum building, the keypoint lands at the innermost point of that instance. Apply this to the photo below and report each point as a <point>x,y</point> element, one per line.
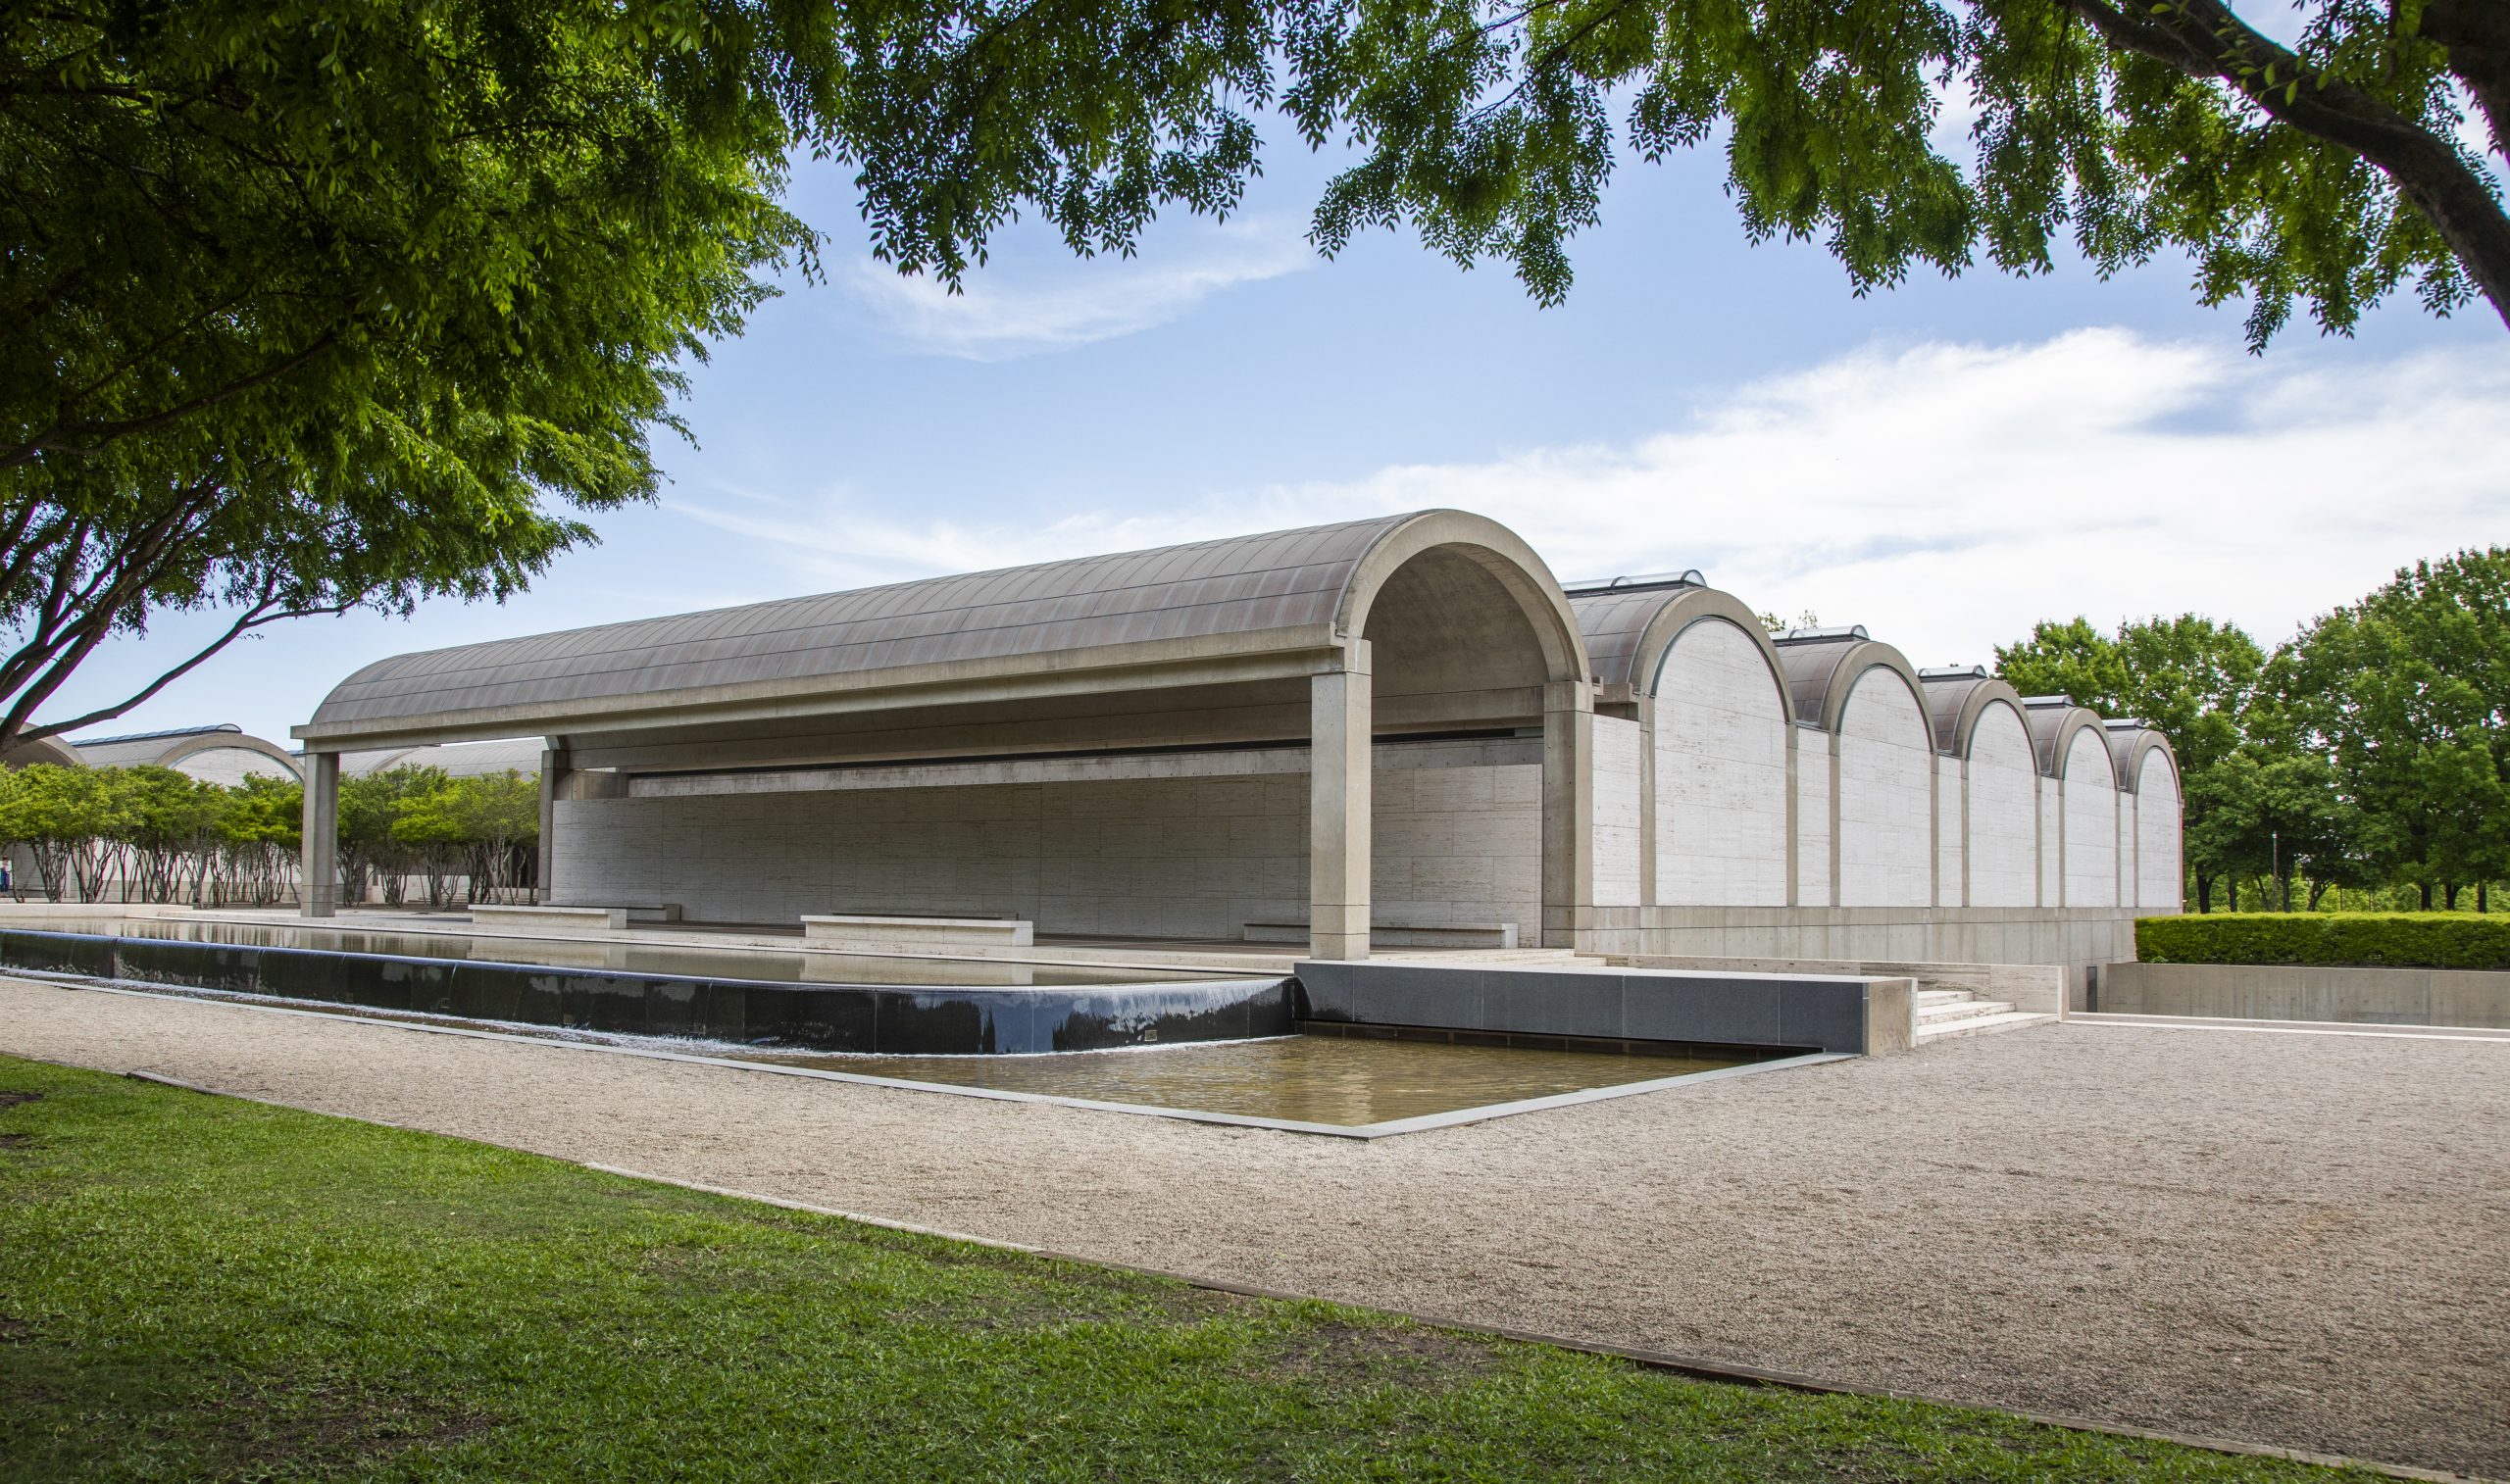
<point>1400,732</point>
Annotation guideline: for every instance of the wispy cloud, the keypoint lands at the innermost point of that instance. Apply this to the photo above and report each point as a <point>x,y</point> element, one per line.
<point>1945,495</point>
<point>1008,310</point>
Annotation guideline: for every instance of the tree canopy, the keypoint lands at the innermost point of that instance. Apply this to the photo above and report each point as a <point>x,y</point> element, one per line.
<point>308,305</point>
<point>2331,172</point>
<point>2371,747</point>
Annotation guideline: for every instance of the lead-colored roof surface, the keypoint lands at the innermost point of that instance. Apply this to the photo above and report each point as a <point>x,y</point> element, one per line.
<point>1810,668</point>
<point>139,748</point>
<point>1241,584</point>
<point>1613,625</point>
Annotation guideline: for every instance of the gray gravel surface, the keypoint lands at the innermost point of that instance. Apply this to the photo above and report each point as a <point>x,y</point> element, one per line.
<point>2301,1240</point>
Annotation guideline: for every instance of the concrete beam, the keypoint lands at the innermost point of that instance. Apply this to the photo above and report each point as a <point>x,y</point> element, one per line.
<point>1215,660</point>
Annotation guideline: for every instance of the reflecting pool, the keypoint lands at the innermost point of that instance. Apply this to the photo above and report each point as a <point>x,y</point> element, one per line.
<point>1344,1081</point>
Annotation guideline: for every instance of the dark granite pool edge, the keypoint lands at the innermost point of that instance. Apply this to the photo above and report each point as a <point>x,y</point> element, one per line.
<point>879,1018</point>
<point>1420,1124</point>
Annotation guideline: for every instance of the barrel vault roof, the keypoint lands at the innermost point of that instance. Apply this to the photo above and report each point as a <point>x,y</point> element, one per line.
<point>1238,585</point>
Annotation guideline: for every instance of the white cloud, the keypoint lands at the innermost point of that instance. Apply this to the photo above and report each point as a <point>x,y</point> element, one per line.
<point>1007,310</point>
<point>1943,495</point>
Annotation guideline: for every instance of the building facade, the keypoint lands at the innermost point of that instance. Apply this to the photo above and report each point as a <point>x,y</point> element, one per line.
<point>1400,732</point>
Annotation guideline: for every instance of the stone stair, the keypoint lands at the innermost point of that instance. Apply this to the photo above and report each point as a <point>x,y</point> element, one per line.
<point>1943,1013</point>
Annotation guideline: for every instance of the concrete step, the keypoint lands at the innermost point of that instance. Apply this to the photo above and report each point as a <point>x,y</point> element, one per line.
<point>1980,1025</point>
<point>1961,1010</point>
<point>1927,996</point>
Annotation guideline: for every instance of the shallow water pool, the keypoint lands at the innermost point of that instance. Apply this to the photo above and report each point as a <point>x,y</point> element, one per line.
<point>1344,1081</point>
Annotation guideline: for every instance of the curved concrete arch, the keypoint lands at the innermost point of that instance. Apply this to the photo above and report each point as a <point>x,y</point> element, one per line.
<point>1492,548</point>
<point>1705,606</point>
<point>1723,753</point>
<point>2129,747</point>
<point>51,750</point>
<point>2053,729</point>
<point>1629,635</point>
<point>231,742</point>
<point>1820,675</point>
<point>1955,706</point>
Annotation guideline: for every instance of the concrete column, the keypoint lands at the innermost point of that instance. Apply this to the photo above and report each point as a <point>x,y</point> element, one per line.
<point>1568,815</point>
<point>319,864</point>
<point>1340,723</point>
<point>553,776</point>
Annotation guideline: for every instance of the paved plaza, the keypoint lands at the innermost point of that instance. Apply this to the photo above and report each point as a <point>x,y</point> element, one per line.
<point>2301,1240</point>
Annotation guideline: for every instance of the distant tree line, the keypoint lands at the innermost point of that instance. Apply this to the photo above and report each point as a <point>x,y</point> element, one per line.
<point>2365,762</point>
<point>153,834</point>
<point>477,837</point>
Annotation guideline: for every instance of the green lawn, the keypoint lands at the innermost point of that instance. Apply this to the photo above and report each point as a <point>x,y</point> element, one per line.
<point>197,1287</point>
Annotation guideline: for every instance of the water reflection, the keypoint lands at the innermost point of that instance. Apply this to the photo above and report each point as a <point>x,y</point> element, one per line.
<point>1310,1079</point>
<point>635,958</point>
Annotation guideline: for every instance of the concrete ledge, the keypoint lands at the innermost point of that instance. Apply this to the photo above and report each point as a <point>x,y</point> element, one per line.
<point>2302,992</point>
<point>1391,935</point>
<point>545,914</point>
<point>1006,932</point>
<point>2033,988</point>
<point>1871,1017</point>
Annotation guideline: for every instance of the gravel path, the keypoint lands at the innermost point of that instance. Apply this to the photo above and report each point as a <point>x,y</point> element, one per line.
<point>2291,1239</point>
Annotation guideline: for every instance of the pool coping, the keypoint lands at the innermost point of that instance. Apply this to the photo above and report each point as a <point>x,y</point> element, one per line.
<point>2140,1020</point>
<point>1420,1124</point>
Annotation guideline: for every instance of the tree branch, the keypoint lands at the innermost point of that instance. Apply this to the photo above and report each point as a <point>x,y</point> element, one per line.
<point>2204,39</point>
<point>253,617</point>
<point>96,435</point>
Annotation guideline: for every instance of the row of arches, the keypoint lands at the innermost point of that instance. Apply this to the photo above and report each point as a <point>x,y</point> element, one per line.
<point>1821,768</point>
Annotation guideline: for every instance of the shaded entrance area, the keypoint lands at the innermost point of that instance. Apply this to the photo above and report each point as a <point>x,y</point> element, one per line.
<point>1379,724</point>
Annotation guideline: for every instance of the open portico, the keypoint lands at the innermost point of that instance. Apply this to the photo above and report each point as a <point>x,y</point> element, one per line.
<point>1116,744</point>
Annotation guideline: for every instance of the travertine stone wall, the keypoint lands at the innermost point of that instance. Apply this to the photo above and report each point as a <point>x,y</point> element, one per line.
<point>2004,795</point>
<point>2075,936</point>
<point>1885,764</point>
<point>2159,878</point>
<point>1720,773</point>
<point>1458,827</point>
<point>2092,823</point>
<point>1458,835</point>
<point>1617,760</point>
<point>1948,831</point>
<point>2052,858</point>
<point>1812,860</point>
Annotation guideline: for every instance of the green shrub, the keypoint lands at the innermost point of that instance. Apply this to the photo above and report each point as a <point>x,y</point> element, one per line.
<point>2385,940</point>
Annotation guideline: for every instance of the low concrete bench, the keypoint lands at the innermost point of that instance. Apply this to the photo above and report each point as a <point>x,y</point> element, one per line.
<point>940,932</point>
<point>554,914</point>
<point>1401,935</point>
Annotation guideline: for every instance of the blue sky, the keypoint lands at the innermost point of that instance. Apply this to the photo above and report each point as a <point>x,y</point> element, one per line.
<point>1944,463</point>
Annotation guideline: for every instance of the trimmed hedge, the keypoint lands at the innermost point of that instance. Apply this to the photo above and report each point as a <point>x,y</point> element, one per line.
<point>2337,940</point>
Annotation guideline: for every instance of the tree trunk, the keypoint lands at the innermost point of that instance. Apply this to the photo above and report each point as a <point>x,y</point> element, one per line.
<point>2427,894</point>
<point>2449,895</point>
<point>2204,892</point>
